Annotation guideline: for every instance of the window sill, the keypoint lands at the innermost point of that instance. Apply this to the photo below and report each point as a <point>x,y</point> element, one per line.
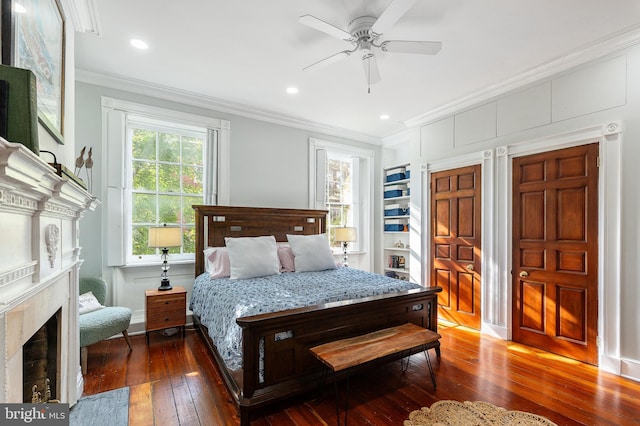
<point>157,263</point>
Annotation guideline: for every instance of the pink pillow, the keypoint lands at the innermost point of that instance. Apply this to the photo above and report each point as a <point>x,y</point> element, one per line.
<point>216,261</point>
<point>287,262</point>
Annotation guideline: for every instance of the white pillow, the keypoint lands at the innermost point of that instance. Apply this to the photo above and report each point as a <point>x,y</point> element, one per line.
<point>252,257</point>
<point>88,303</point>
<point>312,252</point>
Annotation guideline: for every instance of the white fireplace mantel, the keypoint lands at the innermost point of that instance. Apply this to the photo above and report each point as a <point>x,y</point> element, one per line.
<point>39,265</point>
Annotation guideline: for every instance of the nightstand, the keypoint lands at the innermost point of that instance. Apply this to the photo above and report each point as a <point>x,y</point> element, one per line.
<point>165,309</point>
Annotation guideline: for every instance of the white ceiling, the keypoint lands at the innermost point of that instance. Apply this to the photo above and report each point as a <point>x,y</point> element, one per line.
<point>247,52</point>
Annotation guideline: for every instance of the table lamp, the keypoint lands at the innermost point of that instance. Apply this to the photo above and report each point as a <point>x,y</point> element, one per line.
<point>345,235</point>
<point>165,237</point>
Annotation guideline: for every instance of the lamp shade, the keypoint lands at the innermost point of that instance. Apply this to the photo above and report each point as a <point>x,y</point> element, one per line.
<point>345,234</point>
<point>165,236</point>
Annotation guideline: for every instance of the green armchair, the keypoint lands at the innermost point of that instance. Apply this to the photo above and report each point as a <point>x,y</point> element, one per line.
<point>103,323</point>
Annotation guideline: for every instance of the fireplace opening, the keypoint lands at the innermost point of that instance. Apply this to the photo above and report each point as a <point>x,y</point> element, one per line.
<point>40,363</point>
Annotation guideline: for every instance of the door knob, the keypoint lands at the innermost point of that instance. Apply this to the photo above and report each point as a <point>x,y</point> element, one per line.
<point>524,274</point>
<point>470,267</point>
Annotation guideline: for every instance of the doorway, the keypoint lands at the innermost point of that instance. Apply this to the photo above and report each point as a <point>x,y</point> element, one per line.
<point>555,251</point>
<point>456,261</point>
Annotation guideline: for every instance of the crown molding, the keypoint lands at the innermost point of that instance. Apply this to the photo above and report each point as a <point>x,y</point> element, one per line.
<point>84,15</point>
<point>195,99</point>
<point>611,44</point>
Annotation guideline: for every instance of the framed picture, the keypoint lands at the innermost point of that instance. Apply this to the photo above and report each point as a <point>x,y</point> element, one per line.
<point>33,37</point>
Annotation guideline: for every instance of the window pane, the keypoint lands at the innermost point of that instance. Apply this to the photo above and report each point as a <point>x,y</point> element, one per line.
<point>339,195</point>
<point>140,241</point>
<point>169,147</point>
<point>345,167</point>
<point>167,169</point>
<point>191,151</point>
<point>169,209</point>
<point>192,180</point>
<point>189,239</point>
<point>168,178</point>
<point>144,176</point>
<point>334,192</point>
<point>144,208</point>
<point>144,144</point>
<point>188,214</point>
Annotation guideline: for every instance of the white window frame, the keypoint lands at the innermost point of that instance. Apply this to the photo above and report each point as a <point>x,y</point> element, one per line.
<point>117,218</point>
<point>363,194</point>
<point>209,185</point>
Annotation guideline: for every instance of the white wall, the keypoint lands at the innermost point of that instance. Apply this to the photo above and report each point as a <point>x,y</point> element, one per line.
<point>268,168</point>
<point>546,114</point>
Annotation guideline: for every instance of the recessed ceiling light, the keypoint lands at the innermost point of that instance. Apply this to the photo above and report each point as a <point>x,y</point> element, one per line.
<point>18,8</point>
<point>292,90</point>
<point>139,44</point>
<point>384,117</point>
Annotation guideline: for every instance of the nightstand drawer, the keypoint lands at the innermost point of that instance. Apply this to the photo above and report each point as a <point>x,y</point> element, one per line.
<point>165,303</point>
<point>166,319</point>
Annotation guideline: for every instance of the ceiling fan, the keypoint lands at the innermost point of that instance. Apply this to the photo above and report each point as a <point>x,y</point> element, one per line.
<point>365,34</point>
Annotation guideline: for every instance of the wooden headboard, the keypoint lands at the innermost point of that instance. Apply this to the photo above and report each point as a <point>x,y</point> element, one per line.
<point>214,223</point>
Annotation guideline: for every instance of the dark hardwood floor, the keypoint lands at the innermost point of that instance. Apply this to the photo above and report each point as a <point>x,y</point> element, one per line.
<point>173,381</point>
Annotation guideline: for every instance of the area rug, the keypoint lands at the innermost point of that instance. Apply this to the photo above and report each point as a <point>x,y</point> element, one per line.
<point>102,409</point>
<point>454,413</point>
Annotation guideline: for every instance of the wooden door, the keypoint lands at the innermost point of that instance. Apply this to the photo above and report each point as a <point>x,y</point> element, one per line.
<point>455,244</point>
<point>555,251</point>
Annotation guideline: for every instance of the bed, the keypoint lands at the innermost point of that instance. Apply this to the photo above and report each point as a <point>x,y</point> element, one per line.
<point>272,361</point>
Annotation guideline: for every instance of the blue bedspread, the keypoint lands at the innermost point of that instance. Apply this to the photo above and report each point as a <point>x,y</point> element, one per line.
<point>219,302</point>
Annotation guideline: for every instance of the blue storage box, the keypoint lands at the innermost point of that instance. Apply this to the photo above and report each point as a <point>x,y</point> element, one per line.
<point>393,193</point>
<point>394,210</point>
<point>393,227</point>
<point>396,176</point>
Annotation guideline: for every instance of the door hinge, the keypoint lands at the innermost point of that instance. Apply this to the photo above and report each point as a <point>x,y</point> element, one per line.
<point>598,341</point>
<point>598,161</point>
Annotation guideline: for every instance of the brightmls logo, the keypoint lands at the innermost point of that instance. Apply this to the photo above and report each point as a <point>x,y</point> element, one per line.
<point>35,414</point>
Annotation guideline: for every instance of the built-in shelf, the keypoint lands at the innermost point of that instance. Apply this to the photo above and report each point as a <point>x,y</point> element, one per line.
<point>397,182</point>
<point>399,207</point>
<point>398,270</point>
<point>403,198</point>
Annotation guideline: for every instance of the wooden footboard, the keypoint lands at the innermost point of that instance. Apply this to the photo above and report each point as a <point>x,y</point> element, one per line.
<point>276,358</point>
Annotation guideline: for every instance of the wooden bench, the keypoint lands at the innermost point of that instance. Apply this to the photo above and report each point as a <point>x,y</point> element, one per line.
<point>355,351</point>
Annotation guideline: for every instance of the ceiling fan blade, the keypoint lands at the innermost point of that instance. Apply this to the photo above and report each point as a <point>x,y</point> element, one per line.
<point>370,67</point>
<point>405,46</point>
<point>325,27</point>
<point>326,61</point>
<point>391,14</point>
